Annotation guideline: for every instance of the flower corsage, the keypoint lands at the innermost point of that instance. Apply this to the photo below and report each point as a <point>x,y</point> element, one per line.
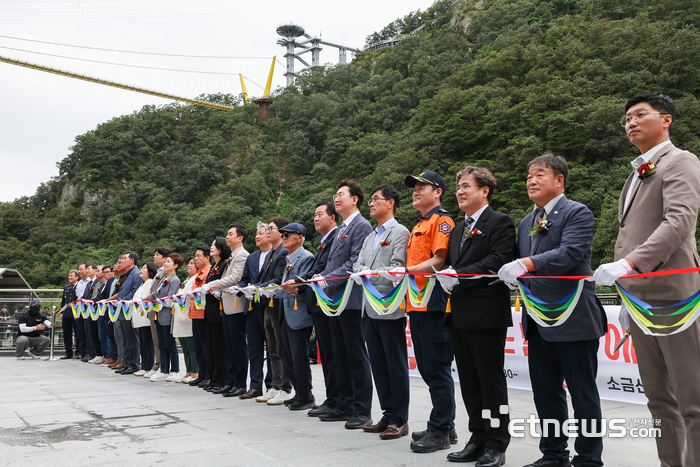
<point>646,170</point>
<point>541,226</point>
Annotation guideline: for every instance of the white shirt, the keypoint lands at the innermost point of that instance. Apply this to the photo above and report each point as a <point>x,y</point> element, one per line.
<point>80,287</point>
<point>380,231</point>
<point>475,217</point>
<point>323,239</point>
<point>349,219</point>
<point>550,204</point>
<point>261,262</point>
<point>637,163</point>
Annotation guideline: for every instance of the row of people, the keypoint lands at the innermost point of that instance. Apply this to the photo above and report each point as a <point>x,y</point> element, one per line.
<point>555,239</point>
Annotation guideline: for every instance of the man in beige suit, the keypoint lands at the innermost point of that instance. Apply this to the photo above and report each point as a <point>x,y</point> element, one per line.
<point>658,214</point>
<point>233,319</point>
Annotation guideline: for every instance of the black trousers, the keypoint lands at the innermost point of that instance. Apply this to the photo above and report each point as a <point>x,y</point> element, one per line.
<point>236,350</point>
<point>201,347</point>
<point>433,352</point>
<point>350,354</point>
<point>388,355</point>
<point>112,340</point>
<point>295,357</point>
<point>255,332</point>
<point>217,354</point>
<point>576,362</point>
<point>331,371</point>
<point>80,336</point>
<point>480,356</point>
<point>68,324</point>
<point>93,338</point>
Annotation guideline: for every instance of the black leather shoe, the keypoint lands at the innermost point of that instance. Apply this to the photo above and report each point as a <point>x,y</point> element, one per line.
<point>234,392</point>
<point>491,458</point>
<point>128,371</point>
<point>470,453</point>
<point>290,401</point>
<point>416,435</point>
<point>301,405</point>
<point>433,441</point>
<point>317,411</point>
<point>550,463</point>
<point>335,415</point>
<point>204,383</point>
<point>196,381</point>
<point>357,421</point>
<point>212,389</point>
<point>226,388</point>
<point>66,357</point>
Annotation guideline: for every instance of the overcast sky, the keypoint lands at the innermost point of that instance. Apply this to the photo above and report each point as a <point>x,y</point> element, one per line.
<point>42,113</point>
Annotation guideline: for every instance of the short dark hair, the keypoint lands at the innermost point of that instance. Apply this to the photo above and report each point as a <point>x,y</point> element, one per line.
<point>354,188</point>
<point>152,269</point>
<point>558,165</point>
<point>92,265</point>
<point>241,230</point>
<point>389,192</point>
<point>482,176</point>
<point>330,208</point>
<point>204,250</point>
<point>107,266</point>
<point>659,102</point>
<point>83,264</point>
<point>164,251</point>
<point>220,244</point>
<point>177,260</point>
<point>134,256</point>
<point>279,221</point>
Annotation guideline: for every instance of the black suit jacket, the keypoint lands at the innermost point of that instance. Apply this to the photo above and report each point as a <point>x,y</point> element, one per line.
<point>475,304</point>
<point>212,309</point>
<point>69,296</point>
<point>103,293</point>
<point>317,267</point>
<point>273,270</point>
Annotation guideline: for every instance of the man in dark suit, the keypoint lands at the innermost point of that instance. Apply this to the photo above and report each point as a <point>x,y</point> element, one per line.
<point>132,281</point>
<point>254,319</point>
<point>67,319</point>
<point>480,315</point>
<point>273,269</point>
<point>556,240</point>
<point>325,223</point>
<point>91,332</point>
<point>354,404</point>
<point>110,349</point>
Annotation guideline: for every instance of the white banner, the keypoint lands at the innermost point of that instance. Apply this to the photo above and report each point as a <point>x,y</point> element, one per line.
<point>618,375</point>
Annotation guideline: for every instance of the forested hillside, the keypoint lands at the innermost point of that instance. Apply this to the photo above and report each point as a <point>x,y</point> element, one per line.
<point>494,82</point>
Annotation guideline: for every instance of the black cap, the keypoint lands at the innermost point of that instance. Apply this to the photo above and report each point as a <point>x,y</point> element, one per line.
<point>427,176</point>
<point>294,228</point>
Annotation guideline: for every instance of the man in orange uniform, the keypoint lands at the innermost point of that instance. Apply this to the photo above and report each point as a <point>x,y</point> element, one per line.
<point>427,249</point>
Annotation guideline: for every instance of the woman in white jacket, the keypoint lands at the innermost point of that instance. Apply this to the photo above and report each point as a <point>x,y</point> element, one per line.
<point>182,326</point>
<point>139,320</point>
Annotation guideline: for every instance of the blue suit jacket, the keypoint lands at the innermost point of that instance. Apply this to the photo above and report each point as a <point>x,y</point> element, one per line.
<point>564,249</point>
<point>251,274</point>
<point>299,318</point>
<point>342,256</point>
<point>128,288</point>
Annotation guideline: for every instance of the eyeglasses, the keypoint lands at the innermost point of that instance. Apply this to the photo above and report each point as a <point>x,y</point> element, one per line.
<point>338,195</point>
<point>463,186</point>
<point>374,200</point>
<point>637,117</point>
<point>270,228</point>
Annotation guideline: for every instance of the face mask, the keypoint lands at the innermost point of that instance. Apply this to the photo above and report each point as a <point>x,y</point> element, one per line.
<point>34,311</point>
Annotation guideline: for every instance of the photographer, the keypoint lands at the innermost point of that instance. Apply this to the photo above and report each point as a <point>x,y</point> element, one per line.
<point>31,332</point>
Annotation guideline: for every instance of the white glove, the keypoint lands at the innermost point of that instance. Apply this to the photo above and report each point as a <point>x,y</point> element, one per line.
<point>197,290</point>
<point>510,272</point>
<point>217,295</point>
<point>356,278</point>
<point>448,278</point>
<point>394,275</point>
<point>607,274</point>
<point>321,282</point>
<point>206,288</point>
<point>169,303</point>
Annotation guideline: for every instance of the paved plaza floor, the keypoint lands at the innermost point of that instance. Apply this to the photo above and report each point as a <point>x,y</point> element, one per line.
<point>57,413</point>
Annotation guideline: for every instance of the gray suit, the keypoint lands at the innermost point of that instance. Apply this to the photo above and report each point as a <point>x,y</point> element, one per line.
<point>657,232</point>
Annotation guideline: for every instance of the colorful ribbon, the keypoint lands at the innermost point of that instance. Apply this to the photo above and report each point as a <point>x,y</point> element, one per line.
<point>180,303</point>
<point>198,302</point>
<point>638,309</point>
<point>538,309</point>
<point>420,298</point>
<point>384,304</point>
<point>332,306</point>
<point>112,311</point>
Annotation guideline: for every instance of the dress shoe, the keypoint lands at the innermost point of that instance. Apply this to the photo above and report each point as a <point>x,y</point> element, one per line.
<point>416,435</point>
<point>234,392</point>
<point>212,389</point>
<point>394,432</point>
<point>431,442</point>
<point>224,389</point>
<point>301,405</point>
<point>335,415</point>
<point>66,357</point>
<point>376,428</point>
<point>318,411</point>
<point>251,394</point>
<point>128,371</point>
<point>204,383</point>
<point>550,463</point>
<point>110,361</point>
<point>491,458</point>
<point>470,453</point>
<point>358,421</point>
<point>117,366</point>
<point>195,382</point>
<point>290,401</point>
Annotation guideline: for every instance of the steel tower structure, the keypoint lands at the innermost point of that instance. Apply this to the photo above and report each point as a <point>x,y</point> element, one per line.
<point>290,32</point>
